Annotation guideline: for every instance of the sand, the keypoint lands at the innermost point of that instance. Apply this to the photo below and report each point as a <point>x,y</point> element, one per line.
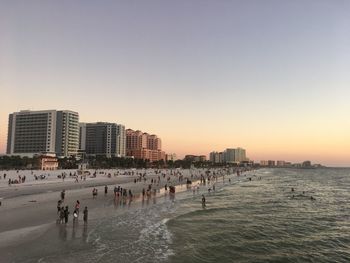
<point>28,209</point>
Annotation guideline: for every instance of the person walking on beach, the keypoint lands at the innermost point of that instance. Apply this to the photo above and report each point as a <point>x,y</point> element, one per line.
<point>115,191</point>
<point>94,193</point>
<point>61,215</point>
<point>85,217</point>
<point>59,202</point>
<point>106,189</point>
<point>66,213</point>
<point>75,216</point>
<point>63,193</point>
<point>203,201</point>
<point>77,207</point>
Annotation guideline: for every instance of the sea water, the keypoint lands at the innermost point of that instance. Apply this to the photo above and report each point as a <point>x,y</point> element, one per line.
<point>257,220</point>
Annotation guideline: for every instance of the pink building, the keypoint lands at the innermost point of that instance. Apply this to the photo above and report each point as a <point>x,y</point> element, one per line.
<point>144,146</point>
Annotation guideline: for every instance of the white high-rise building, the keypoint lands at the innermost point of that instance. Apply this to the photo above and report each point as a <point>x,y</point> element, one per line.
<point>230,155</point>
<point>43,132</point>
<point>240,155</point>
<point>67,133</point>
<point>216,157</point>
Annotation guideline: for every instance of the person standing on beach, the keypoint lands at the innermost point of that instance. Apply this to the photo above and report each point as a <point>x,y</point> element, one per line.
<point>59,202</point>
<point>94,193</point>
<point>62,215</point>
<point>77,207</point>
<point>66,213</point>
<point>85,217</point>
<point>63,193</point>
<point>75,216</point>
<point>106,189</point>
<point>203,201</point>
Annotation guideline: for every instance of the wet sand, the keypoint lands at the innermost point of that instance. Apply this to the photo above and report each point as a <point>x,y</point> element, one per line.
<point>31,205</point>
<point>29,211</point>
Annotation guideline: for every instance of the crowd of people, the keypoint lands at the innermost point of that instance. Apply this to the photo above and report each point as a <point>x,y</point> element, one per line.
<point>63,211</point>
<point>154,181</point>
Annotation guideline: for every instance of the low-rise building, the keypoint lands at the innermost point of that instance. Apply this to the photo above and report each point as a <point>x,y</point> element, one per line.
<point>47,162</point>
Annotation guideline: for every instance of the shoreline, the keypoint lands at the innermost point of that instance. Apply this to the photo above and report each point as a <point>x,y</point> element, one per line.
<point>34,209</point>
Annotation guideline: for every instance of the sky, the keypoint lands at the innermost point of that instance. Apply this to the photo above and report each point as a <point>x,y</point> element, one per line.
<point>270,76</point>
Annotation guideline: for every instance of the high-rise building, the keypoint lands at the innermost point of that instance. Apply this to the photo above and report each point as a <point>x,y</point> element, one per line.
<point>271,163</point>
<point>103,138</point>
<point>67,133</point>
<point>264,163</point>
<point>216,157</point>
<point>281,163</point>
<point>154,143</point>
<point>230,155</point>
<point>43,132</point>
<point>82,136</point>
<point>170,157</point>
<point>141,145</point>
<point>240,155</point>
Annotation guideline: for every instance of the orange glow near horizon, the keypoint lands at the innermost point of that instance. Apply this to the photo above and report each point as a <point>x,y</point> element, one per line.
<point>295,148</point>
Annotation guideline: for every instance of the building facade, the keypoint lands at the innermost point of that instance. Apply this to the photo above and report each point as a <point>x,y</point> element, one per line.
<point>195,158</point>
<point>39,132</point>
<point>82,137</point>
<point>230,155</point>
<point>103,138</point>
<point>67,133</point>
<point>141,145</point>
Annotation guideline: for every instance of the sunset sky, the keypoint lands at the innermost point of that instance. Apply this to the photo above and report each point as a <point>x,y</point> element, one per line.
<point>272,77</point>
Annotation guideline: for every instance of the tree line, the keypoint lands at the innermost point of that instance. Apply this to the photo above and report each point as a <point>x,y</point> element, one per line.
<point>101,162</point>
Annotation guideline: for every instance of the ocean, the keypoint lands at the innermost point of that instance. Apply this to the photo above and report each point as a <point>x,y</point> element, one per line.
<point>257,220</point>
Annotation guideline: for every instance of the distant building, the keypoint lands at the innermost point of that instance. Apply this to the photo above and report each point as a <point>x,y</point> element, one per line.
<point>230,155</point>
<point>202,158</point>
<point>264,163</point>
<point>103,138</point>
<point>306,164</point>
<point>196,158</point>
<point>144,146</point>
<point>39,132</point>
<point>240,155</point>
<point>214,157</point>
<point>271,163</point>
<point>170,157</point>
<point>281,163</point>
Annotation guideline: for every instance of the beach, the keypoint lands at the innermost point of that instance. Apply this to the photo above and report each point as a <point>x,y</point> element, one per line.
<point>28,209</point>
<point>254,217</point>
